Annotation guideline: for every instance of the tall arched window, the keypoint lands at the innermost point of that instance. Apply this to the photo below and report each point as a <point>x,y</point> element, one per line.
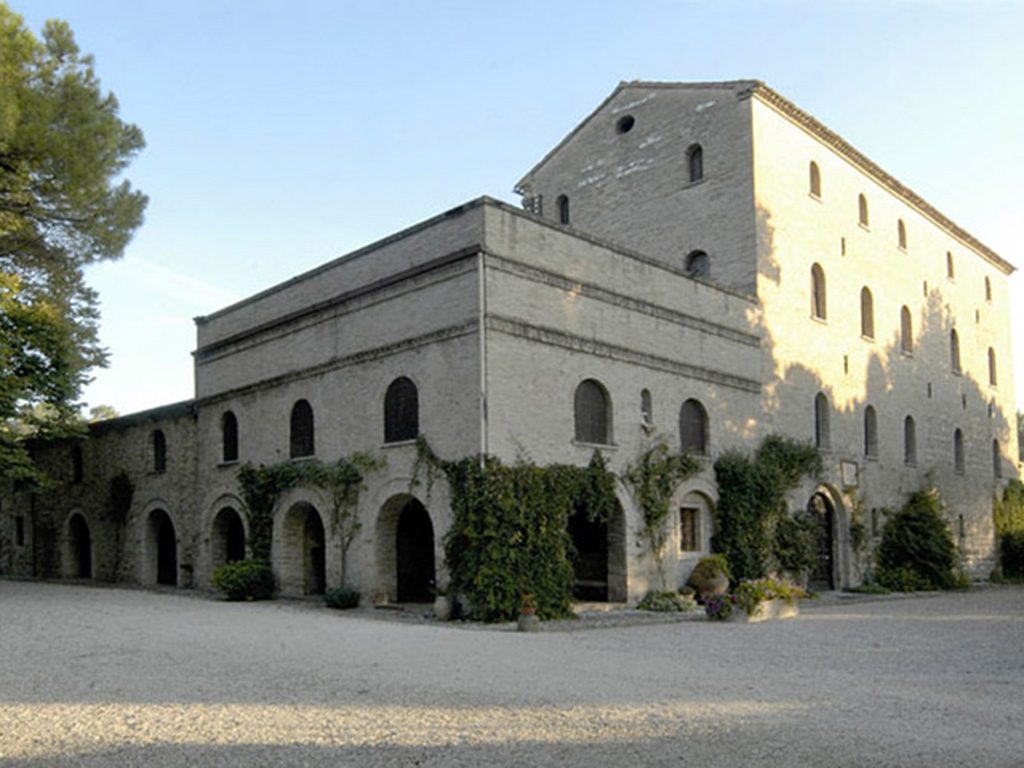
<point>954,350</point>
<point>563,209</point>
<point>993,374</point>
<point>229,436</point>
<point>646,408</point>
<point>901,234</point>
<point>867,313</point>
<point>695,162</point>
<point>909,441</point>
<point>301,441</point>
<point>693,427</point>
<point>906,331</point>
<point>958,451</point>
<point>698,264</point>
<point>862,210</point>
<point>988,290</point>
<point>819,306</point>
<point>949,265</point>
<point>815,179</point>
<point>821,425</point>
<point>401,411</point>
<point>592,411</point>
<point>997,460</point>
<point>159,451</point>
<point>870,432</point>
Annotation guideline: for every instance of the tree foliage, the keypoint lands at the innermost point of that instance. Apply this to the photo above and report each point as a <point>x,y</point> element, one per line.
<point>917,550</point>
<point>62,206</point>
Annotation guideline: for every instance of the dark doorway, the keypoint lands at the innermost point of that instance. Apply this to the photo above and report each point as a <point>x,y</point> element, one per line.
<point>822,511</point>
<point>414,543</point>
<point>81,548</point>
<point>590,560</point>
<point>166,549</point>
<point>228,537</point>
<point>316,560</point>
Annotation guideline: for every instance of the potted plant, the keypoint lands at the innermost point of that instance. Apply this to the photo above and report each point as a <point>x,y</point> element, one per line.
<point>528,620</point>
<point>710,576</point>
<point>764,599</point>
<point>442,604</point>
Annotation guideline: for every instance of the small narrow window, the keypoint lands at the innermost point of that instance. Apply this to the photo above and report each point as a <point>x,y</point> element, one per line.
<point>901,234</point>
<point>954,351</point>
<point>695,162</point>
<point>688,539</point>
<point>819,307</point>
<point>950,273</point>
<point>592,413</point>
<point>862,210</point>
<point>870,432</point>
<point>909,441</point>
<point>997,460</point>
<point>958,451</point>
<point>993,376</point>
<point>401,411</point>
<point>301,442</point>
<point>646,408</point>
<point>815,180</point>
<point>77,465</point>
<point>988,290</point>
<point>867,313</point>
<point>961,527</point>
<point>693,427</point>
<point>698,264</point>
<point>821,425</point>
<point>159,443</point>
<point>229,436</point>
<point>924,288</point>
<point>19,531</point>
<point>563,209</point>
<point>906,331</point>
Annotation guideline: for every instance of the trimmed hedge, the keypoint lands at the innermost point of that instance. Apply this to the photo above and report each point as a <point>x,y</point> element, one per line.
<point>917,550</point>
<point>245,580</point>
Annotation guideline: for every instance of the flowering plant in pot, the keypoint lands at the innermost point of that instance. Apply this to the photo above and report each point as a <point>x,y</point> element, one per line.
<point>718,607</point>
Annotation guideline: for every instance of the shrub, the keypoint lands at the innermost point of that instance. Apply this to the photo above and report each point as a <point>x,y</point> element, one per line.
<point>342,597</point>
<point>665,602</point>
<point>1011,553</point>
<point>796,543</point>
<point>917,551</point>
<point>750,594</point>
<point>245,580</point>
<point>718,607</point>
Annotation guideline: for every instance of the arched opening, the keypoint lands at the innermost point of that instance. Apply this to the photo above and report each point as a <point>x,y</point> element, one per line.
<point>901,234</point>
<point>79,549</point>
<point>695,162</point>
<point>301,440</point>
<point>823,512</point>
<point>598,556</point>
<point>867,313</point>
<point>693,427</point>
<point>592,413</point>
<point>227,539</point>
<point>906,331</point>
<point>401,411</point>
<point>819,300</point>
<point>698,264</point>
<point>163,548</point>
<point>993,374</point>
<point>822,438</point>
<point>958,451</point>
<point>229,437</point>
<point>870,432</point>
<point>815,181</point>
<point>302,562</point>
<point>563,209</point>
<point>862,210</point>
<point>414,554</point>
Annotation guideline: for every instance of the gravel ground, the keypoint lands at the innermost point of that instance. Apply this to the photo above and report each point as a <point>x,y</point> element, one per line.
<point>115,677</point>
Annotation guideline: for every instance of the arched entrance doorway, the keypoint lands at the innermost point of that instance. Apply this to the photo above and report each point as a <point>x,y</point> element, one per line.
<point>227,539</point>
<point>598,556</point>
<point>414,554</point>
<point>79,549</point>
<point>302,561</point>
<point>821,509</point>
<point>163,546</point>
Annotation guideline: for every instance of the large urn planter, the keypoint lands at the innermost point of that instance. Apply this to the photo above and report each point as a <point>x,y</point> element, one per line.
<point>710,576</point>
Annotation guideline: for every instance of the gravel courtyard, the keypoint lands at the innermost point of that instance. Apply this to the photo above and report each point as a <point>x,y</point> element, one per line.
<point>110,677</point>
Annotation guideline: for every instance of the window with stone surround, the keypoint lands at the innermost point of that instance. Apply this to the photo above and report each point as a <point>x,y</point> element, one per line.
<point>563,209</point>
<point>870,432</point>
<point>698,264</point>
<point>592,412</point>
<point>693,427</point>
<point>689,529</point>
<point>954,351</point>
<point>906,331</point>
<point>901,234</point>
<point>822,437</point>
<point>958,451</point>
<point>229,436</point>
<point>867,313</point>
<point>695,162</point>
<point>815,180</point>
<point>993,374</point>
<point>159,446</point>
<point>862,210</point>
<point>401,411</point>
<point>301,437</point>
<point>819,302</point>
<point>909,441</point>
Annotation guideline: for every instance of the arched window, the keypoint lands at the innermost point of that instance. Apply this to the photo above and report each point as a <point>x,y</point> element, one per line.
<point>867,313</point>
<point>815,179</point>
<point>862,210</point>
<point>958,451</point>
<point>592,410</point>
<point>988,290</point>
<point>906,331</point>
<point>693,427</point>
<point>646,408</point>
<point>563,209</point>
<point>695,162</point>
<point>901,234</point>
<point>819,306</point>
<point>401,411</point>
<point>229,436</point>
<point>949,265</point>
<point>909,441</point>
<point>77,465</point>
<point>159,451</point>
<point>993,375</point>
<point>698,264</point>
<point>954,350</point>
<point>301,436</point>
<point>821,426</point>
<point>870,432</point>
<point>997,460</point>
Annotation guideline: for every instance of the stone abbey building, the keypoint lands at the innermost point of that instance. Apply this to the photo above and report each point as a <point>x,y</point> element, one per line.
<point>699,263</point>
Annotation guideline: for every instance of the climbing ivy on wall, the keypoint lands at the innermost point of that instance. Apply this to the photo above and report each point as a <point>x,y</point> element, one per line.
<point>509,535</point>
<point>342,482</point>
<point>752,502</point>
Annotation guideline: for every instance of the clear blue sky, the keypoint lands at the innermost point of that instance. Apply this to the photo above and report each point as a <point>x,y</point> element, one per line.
<point>281,135</point>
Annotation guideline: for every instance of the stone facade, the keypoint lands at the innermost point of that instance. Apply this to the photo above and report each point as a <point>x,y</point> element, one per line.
<point>665,257</point>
